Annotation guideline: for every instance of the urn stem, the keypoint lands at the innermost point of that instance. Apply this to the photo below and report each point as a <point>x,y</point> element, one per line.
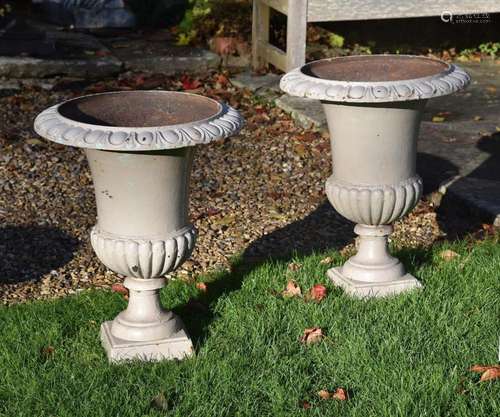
<point>144,319</point>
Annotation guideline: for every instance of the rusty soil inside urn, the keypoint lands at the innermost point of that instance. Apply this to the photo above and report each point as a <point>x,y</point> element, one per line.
<point>373,68</point>
<point>139,109</point>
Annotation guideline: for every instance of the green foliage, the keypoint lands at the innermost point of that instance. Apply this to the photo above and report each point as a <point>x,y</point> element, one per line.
<point>361,50</point>
<point>187,31</point>
<point>336,41</point>
<point>490,48</point>
<point>5,9</point>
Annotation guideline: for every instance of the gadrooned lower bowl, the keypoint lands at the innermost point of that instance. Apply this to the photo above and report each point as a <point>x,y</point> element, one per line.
<point>138,121</point>
<point>375,78</point>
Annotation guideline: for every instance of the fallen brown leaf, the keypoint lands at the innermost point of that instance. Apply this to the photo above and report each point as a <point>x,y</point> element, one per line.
<point>294,266</point>
<point>340,394</point>
<point>326,261</point>
<point>312,335</point>
<point>119,288</point>
<point>348,250</point>
<point>489,372</point>
<point>292,290</point>
<point>316,293</point>
<point>324,394</point>
<point>306,405</point>
<point>221,79</point>
<point>47,351</point>
<point>190,84</point>
<point>448,255</point>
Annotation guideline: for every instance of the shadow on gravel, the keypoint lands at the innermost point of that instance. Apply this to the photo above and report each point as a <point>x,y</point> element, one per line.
<point>482,186</point>
<point>323,229</point>
<point>29,252</point>
<point>434,171</point>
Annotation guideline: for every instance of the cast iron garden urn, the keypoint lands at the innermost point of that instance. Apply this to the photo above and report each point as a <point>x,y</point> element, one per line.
<point>139,145</point>
<point>373,106</point>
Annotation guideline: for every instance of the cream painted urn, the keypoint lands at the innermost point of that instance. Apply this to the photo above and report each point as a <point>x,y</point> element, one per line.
<point>373,105</point>
<point>139,146</point>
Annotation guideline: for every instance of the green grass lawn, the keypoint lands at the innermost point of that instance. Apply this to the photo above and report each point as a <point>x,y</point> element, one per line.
<point>403,356</point>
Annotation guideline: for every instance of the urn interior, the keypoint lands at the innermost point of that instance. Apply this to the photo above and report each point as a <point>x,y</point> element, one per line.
<point>138,109</point>
<point>375,68</point>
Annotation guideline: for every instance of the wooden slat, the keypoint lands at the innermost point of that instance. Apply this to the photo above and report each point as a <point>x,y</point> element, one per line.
<point>336,10</point>
<point>296,31</point>
<point>260,32</point>
<point>273,55</point>
<point>279,5</point>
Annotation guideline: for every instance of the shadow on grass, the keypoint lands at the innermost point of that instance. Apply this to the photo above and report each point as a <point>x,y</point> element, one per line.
<point>29,252</point>
<point>322,230</point>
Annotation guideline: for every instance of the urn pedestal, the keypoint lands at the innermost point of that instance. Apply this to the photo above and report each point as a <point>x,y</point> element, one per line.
<point>373,105</point>
<point>139,146</point>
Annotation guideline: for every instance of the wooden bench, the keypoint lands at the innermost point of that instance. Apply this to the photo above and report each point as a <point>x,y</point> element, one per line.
<point>300,12</point>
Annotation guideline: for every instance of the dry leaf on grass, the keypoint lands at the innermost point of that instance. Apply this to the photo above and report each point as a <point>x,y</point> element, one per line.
<point>47,352</point>
<point>448,255</point>
<point>294,266</point>
<point>119,288</point>
<point>316,293</point>
<point>292,290</point>
<point>348,250</point>
<point>326,261</point>
<point>312,335</point>
<point>201,286</point>
<point>324,394</point>
<point>489,372</point>
<point>340,394</point>
<point>306,405</point>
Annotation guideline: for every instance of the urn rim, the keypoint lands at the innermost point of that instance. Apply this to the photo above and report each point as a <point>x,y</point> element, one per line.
<point>57,124</point>
<point>338,80</point>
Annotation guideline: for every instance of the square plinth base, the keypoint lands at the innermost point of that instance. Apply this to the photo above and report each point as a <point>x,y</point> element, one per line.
<point>176,347</point>
<point>361,289</point>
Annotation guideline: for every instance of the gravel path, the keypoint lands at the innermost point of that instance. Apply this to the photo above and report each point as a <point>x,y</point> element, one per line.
<point>259,193</point>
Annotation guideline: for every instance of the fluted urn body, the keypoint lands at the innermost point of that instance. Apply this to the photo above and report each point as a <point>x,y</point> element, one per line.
<point>373,105</point>
<point>139,147</point>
